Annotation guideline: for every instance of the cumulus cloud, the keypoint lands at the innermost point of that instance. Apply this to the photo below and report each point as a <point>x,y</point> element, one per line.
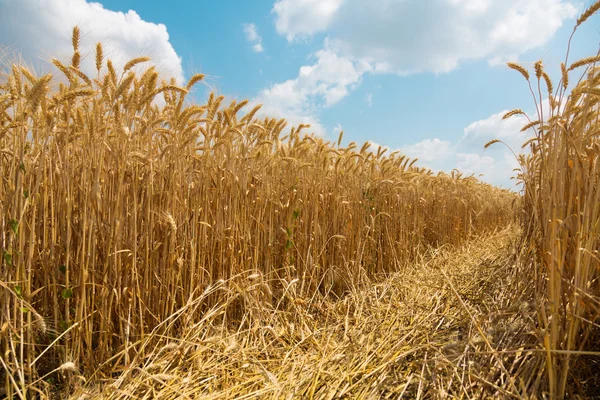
<point>294,116</point>
<point>405,37</point>
<point>478,133</point>
<point>253,37</point>
<point>483,167</point>
<point>301,18</point>
<point>41,30</point>
<point>434,153</point>
<point>322,84</point>
<point>494,165</point>
<point>416,36</point>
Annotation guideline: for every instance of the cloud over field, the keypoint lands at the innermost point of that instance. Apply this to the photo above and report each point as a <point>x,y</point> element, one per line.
<point>407,38</point>
<point>424,36</point>
<point>41,30</point>
<point>495,164</point>
<point>399,37</point>
<point>251,33</point>
<point>322,84</point>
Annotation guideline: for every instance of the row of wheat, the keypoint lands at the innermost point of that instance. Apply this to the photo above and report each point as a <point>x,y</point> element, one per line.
<point>116,209</point>
<point>561,176</point>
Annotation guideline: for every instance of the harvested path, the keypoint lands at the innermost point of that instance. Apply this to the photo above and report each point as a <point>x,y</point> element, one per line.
<point>429,331</point>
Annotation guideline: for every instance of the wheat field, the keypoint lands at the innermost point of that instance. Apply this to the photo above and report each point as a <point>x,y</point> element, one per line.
<point>154,247</point>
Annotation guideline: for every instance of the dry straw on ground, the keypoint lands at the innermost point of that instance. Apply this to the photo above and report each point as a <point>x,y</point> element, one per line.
<point>424,332</point>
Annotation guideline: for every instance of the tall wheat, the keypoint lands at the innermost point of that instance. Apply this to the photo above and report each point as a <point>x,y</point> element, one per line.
<point>116,212</point>
<point>562,227</point>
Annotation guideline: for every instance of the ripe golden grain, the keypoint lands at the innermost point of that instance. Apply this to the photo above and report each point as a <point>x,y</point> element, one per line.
<point>562,188</point>
<point>519,68</point>
<point>266,227</point>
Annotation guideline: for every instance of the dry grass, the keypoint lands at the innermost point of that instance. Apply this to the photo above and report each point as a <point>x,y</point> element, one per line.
<point>562,227</point>
<point>118,211</point>
<point>428,331</point>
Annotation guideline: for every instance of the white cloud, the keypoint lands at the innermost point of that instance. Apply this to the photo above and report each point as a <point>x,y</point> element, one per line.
<point>253,37</point>
<point>369,99</point>
<point>251,33</point>
<point>300,18</point>
<point>42,29</point>
<point>432,153</point>
<point>294,117</point>
<point>424,36</point>
<point>404,37</point>
<point>477,134</point>
<point>494,165</point>
<point>498,161</point>
<point>475,164</point>
<point>322,84</point>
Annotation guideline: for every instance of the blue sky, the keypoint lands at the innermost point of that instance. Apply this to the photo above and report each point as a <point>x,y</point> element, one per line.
<point>426,77</point>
